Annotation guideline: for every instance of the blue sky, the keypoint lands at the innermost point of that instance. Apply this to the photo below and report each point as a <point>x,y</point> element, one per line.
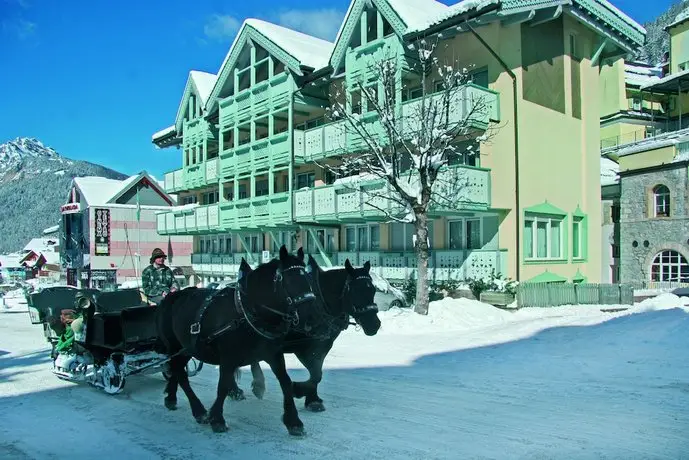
<point>95,81</point>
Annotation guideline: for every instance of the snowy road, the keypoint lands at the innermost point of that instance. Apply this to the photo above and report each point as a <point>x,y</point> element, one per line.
<point>470,381</point>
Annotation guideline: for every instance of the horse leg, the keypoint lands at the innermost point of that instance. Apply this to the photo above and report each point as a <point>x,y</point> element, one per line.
<point>290,417</point>
<point>235,393</point>
<point>258,384</point>
<point>170,391</point>
<point>180,376</point>
<point>225,381</point>
<point>312,358</point>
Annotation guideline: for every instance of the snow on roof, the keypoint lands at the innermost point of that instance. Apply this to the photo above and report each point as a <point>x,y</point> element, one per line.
<point>42,245</point>
<point>639,75</point>
<point>163,132</point>
<point>52,229</point>
<point>10,260</point>
<point>97,191</point>
<point>309,51</point>
<point>617,12</point>
<point>416,14</point>
<point>681,17</point>
<point>443,14</point>
<point>609,171</point>
<point>667,79</point>
<point>204,83</point>
<point>657,142</point>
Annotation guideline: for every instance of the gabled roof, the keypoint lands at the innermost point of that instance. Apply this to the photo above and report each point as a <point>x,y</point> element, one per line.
<point>99,191</point>
<point>201,84</point>
<point>297,49</point>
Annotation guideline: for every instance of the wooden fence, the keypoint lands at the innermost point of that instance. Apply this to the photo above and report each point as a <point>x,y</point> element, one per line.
<point>556,294</point>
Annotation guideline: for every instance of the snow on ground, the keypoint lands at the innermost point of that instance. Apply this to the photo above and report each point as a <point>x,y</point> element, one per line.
<point>468,381</point>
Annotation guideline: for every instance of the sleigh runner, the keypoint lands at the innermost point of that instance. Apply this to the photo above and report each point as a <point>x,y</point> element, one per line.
<point>116,335</point>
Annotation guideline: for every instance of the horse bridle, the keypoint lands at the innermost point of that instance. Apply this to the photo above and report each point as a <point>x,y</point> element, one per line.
<point>279,280</point>
<point>357,309</point>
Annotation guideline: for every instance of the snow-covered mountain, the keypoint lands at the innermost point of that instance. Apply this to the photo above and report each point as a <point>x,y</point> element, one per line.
<point>34,182</point>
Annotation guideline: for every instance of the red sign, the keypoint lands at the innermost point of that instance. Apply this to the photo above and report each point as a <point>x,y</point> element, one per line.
<point>70,208</point>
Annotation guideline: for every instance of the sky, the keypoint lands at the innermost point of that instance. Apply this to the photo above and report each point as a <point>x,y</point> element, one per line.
<point>95,79</point>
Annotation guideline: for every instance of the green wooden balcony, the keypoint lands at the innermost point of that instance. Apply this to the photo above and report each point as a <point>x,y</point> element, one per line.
<point>192,177</point>
<point>197,131</point>
<point>366,199</point>
<point>444,264</point>
<point>258,99</point>
<point>189,221</point>
<point>254,156</point>
<point>338,137</point>
<point>256,213</point>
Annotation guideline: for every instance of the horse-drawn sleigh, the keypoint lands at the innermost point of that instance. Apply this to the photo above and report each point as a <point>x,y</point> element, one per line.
<point>282,306</point>
<point>118,335</point>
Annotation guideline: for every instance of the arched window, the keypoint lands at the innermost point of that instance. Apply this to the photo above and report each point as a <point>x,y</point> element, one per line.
<point>670,266</point>
<point>661,201</point>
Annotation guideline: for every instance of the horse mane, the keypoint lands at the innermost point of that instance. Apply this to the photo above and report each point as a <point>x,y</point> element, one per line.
<point>331,283</point>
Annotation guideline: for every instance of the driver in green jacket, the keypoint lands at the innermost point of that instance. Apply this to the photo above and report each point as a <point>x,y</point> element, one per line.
<point>157,279</point>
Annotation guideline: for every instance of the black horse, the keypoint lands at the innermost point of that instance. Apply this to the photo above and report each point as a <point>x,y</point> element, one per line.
<point>341,293</point>
<point>234,327</point>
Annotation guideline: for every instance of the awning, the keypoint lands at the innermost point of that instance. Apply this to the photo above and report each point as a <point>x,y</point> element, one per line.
<point>671,84</point>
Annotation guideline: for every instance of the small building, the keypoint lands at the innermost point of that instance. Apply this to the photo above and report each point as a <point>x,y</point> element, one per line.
<point>11,270</point>
<point>108,231</point>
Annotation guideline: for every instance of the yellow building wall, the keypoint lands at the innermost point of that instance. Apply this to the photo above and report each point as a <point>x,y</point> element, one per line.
<point>647,158</point>
<point>679,46</point>
<point>612,89</point>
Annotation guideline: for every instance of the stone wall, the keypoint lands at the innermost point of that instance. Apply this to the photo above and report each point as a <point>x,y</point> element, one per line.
<point>642,235</point>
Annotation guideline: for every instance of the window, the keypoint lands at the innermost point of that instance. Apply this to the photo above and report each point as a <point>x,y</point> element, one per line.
<point>413,93</point>
<point>306,180</point>
<point>284,237</point>
<point>362,237</point>
<point>325,237</point>
<point>356,102</point>
<point>254,242</point>
<point>636,104</point>
<point>577,238</point>
<point>402,236</point>
<point>670,266</point>
<point>465,234</point>
<point>262,187</point>
<point>209,197</point>
<point>661,201</point>
<point>480,78</point>
<point>543,237</point>
<point>371,97</point>
<point>242,192</point>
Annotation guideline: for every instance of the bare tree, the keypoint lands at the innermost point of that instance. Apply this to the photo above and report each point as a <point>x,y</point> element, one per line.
<point>410,146</point>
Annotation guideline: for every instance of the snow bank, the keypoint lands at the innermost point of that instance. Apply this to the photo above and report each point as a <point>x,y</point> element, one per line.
<point>464,314</point>
<point>447,314</point>
<point>665,301</point>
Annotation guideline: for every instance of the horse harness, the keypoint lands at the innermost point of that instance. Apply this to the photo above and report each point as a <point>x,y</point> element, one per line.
<point>289,319</point>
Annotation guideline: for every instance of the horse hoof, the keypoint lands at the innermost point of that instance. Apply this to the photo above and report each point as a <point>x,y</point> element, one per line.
<point>219,427</point>
<point>258,390</point>
<point>296,431</point>
<point>237,395</point>
<point>315,406</point>
<point>170,405</point>
<point>202,419</point>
